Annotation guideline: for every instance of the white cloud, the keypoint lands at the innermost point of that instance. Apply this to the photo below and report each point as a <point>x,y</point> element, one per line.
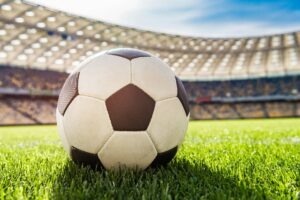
<point>170,16</point>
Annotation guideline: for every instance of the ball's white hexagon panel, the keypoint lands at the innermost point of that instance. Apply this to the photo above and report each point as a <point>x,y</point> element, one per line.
<point>168,124</point>
<point>61,132</point>
<point>154,77</point>
<point>87,124</point>
<point>104,75</point>
<point>131,149</point>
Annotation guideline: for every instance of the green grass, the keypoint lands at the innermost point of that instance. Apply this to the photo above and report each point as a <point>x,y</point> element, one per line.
<point>246,159</point>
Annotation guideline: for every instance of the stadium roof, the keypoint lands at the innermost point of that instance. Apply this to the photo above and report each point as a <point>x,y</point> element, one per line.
<point>34,36</point>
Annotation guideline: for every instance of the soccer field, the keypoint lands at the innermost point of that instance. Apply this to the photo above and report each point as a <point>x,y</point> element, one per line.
<point>245,159</point>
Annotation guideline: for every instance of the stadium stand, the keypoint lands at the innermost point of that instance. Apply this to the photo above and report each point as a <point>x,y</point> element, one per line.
<point>298,109</point>
<point>208,99</point>
<point>225,78</point>
<point>30,79</point>
<point>26,110</point>
<point>245,110</point>
<point>287,85</point>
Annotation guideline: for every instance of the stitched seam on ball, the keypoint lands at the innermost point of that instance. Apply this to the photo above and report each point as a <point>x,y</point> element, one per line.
<point>152,142</point>
<point>172,96</point>
<point>105,144</point>
<point>144,91</point>
<point>96,98</point>
<point>160,99</point>
<point>107,114</point>
<point>166,99</point>
<point>147,131</point>
<point>170,99</point>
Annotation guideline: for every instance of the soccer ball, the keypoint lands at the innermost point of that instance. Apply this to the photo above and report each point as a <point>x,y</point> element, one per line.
<point>122,107</point>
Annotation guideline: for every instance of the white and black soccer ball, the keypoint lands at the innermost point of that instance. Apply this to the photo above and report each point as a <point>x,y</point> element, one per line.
<point>122,107</point>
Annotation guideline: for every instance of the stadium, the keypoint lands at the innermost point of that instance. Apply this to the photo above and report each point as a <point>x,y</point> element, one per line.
<point>226,79</point>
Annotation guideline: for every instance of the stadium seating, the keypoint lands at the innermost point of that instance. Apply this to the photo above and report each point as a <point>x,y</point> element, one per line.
<point>31,79</point>
<point>280,109</point>
<point>26,110</point>
<point>297,109</point>
<point>288,85</point>
<point>20,109</point>
<point>251,110</point>
<point>245,110</point>
<point>50,80</point>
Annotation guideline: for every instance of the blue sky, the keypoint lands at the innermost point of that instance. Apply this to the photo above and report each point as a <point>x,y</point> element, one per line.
<point>208,18</point>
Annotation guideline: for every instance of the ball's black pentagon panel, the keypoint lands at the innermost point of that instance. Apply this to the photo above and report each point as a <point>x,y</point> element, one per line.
<point>182,96</point>
<point>68,92</point>
<point>85,158</point>
<point>128,53</point>
<point>130,109</point>
<point>164,158</point>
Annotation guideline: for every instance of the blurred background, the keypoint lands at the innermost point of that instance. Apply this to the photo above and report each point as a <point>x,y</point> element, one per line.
<point>237,61</point>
